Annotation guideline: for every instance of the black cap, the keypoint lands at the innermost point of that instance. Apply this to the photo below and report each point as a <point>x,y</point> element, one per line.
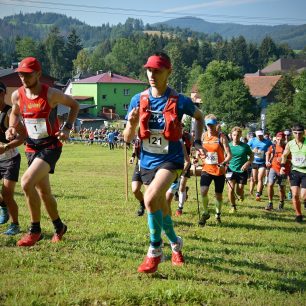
<point>2,87</point>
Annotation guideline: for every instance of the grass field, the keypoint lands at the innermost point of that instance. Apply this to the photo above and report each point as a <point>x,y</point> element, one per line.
<point>252,258</point>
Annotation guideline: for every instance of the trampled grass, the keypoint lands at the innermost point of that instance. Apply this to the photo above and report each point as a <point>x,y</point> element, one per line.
<point>252,258</point>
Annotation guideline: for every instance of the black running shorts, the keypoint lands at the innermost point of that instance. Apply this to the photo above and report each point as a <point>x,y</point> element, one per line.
<point>207,178</point>
<point>297,179</point>
<point>50,156</point>
<point>9,169</point>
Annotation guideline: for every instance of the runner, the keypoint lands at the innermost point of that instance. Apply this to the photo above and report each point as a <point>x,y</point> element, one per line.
<point>183,189</point>
<point>297,148</point>
<point>218,154</point>
<point>9,166</point>
<point>260,146</point>
<point>37,104</point>
<point>237,172</point>
<point>273,160</point>
<point>136,179</point>
<point>159,111</point>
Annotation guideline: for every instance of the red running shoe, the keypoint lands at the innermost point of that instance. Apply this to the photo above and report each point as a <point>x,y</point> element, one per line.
<point>58,236</point>
<point>151,261</point>
<point>29,239</point>
<point>177,256</point>
<point>179,212</point>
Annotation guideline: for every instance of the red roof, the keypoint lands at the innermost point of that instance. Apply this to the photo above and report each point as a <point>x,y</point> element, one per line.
<point>109,77</point>
<point>260,86</point>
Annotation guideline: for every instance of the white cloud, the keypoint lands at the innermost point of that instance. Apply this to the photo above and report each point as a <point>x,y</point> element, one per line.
<point>211,4</point>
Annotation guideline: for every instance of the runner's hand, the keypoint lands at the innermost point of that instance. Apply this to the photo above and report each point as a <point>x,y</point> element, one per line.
<point>133,117</point>
<point>63,134</point>
<point>11,133</point>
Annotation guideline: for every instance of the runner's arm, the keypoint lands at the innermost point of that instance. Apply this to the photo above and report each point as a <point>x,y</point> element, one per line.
<point>284,158</point>
<point>56,97</point>
<point>249,162</point>
<point>227,150</point>
<point>14,118</point>
<point>131,125</point>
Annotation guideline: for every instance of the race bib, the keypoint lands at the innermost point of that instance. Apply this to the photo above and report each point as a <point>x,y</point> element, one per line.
<point>211,158</point>
<point>36,127</point>
<point>259,154</point>
<point>299,161</point>
<point>156,144</point>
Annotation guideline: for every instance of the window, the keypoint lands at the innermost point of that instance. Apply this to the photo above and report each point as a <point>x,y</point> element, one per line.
<point>104,97</point>
<point>126,92</point>
<point>115,90</point>
<point>126,106</point>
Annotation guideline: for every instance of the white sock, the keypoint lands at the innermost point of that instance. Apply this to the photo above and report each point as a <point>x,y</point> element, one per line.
<point>182,199</point>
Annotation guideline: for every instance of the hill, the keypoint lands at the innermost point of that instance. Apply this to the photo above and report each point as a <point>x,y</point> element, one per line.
<point>37,25</point>
<point>294,35</point>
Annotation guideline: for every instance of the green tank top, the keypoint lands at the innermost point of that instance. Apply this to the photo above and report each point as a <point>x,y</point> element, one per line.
<point>298,155</point>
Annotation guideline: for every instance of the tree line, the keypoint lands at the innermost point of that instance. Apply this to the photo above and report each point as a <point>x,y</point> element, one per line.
<point>217,67</point>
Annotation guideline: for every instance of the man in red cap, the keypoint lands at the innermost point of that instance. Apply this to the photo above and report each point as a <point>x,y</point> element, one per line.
<point>37,104</point>
<point>158,112</point>
<point>273,160</point>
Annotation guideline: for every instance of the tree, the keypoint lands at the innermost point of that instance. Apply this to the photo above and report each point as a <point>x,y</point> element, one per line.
<point>299,100</point>
<point>26,47</point>
<point>223,93</point>
<point>72,48</point>
<point>82,62</point>
<point>268,51</point>
<point>178,79</point>
<point>55,49</point>
<point>193,76</point>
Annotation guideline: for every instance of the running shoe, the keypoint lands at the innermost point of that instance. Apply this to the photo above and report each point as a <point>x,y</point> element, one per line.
<point>151,261</point>
<point>269,206</point>
<point>233,210</point>
<point>179,212</point>
<point>177,258</point>
<point>4,215</point>
<point>218,218</point>
<point>13,229</point>
<point>281,206</point>
<point>141,210</point>
<point>299,219</point>
<point>203,219</point>
<point>58,236</point>
<point>29,239</point>
<point>257,196</point>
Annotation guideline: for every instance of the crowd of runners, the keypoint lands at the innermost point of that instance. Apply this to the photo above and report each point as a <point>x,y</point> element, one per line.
<point>164,152</point>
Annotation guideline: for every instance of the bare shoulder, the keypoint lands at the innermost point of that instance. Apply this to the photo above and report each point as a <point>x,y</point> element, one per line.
<point>15,97</point>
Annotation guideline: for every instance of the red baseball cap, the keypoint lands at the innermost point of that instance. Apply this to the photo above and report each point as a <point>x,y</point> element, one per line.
<point>29,64</point>
<point>280,134</point>
<point>157,62</point>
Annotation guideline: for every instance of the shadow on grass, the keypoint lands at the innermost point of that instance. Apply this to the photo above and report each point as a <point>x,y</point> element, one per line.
<point>257,227</point>
<point>70,196</point>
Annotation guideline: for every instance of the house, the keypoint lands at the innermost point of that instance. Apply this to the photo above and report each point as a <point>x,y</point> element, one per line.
<point>12,81</point>
<point>285,65</point>
<point>111,93</point>
<point>261,87</point>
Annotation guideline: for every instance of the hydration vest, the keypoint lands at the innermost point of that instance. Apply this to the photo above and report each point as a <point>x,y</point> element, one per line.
<point>173,127</point>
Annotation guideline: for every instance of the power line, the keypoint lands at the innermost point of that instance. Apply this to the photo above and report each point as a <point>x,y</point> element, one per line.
<point>157,13</point>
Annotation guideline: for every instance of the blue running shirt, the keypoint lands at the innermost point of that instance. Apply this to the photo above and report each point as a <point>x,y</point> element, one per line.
<point>158,150</point>
<point>259,148</point>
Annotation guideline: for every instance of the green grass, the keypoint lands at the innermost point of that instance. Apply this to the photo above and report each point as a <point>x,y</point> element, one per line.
<point>252,258</point>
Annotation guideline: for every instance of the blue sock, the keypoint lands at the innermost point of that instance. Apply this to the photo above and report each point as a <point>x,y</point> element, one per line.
<point>169,229</point>
<point>155,222</point>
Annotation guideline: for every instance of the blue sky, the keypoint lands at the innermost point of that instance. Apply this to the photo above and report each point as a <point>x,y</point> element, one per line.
<point>95,12</point>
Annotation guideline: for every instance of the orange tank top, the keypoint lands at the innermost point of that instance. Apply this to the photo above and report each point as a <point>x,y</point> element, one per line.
<point>215,155</point>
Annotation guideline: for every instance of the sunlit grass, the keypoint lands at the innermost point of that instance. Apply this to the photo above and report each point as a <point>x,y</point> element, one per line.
<point>252,258</point>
